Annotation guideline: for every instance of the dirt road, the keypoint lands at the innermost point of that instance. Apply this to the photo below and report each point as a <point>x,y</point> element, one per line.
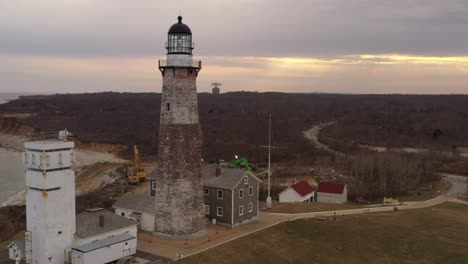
<point>313,135</point>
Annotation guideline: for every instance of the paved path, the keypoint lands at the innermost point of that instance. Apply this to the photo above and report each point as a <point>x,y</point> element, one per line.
<point>219,235</point>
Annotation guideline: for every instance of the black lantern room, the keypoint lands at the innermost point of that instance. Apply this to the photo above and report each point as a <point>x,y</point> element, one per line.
<point>179,39</point>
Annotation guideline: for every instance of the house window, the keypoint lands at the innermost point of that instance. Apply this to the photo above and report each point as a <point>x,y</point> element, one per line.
<point>153,185</point>
<point>250,207</point>
<point>168,107</point>
<point>122,213</point>
<point>207,209</point>
<point>60,156</point>
<point>250,190</point>
<point>25,158</point>
<point>72,157</point>
<point>126,243</point>
<point>33,159</point>
<point>241,193</point>
<point>206,191</point>
<point>246,180</point>
<point>219,211</point>
<point>220,194</point>
<point>241,210</point>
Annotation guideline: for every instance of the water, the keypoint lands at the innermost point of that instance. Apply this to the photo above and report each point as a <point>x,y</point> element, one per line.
<point>11,173</point>
<point>11,167</point>
<point>6,97</point>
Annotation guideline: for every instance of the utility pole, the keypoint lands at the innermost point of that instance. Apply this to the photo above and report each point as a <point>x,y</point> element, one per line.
<point>268,200</point>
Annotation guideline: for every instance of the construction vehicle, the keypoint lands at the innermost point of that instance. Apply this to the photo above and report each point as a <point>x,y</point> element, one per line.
<point>136,173</point>
<point>242,161</point>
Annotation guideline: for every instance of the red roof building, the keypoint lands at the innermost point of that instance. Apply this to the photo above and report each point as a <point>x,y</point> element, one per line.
<point>299,192</point>
<point>303,188</point>
<point>331,187</point>
<point>332,192</point>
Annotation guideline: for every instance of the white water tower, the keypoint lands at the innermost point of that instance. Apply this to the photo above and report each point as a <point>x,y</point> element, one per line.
<point>50,198</point>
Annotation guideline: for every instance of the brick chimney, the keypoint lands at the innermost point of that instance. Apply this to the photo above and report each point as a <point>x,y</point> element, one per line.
<point>101,220</point>
<point>218,171</point>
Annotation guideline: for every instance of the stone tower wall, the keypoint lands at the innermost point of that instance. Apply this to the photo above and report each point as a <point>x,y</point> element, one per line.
<point>179,210</point>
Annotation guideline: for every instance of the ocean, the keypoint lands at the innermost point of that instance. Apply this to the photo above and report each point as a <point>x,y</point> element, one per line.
<point>11,167</point>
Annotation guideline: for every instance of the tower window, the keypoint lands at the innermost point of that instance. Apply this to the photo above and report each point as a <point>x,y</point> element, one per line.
<point>168,105</point>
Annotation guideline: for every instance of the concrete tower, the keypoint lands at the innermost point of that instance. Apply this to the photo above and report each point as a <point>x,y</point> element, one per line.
<point>179,210</point>
<point>50,198</point>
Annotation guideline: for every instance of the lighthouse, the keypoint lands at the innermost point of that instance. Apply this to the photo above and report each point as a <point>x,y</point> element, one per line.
<point>179,210</point>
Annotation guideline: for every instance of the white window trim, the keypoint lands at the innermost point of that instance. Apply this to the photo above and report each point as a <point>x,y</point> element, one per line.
<point>153,185</point>
<point>251,190</point>
<point>207,209</point>
<point>217,194</point>
<point>250,207</point>
<point>217,211</point>
<point>241,210</point>
<point>206,191</point>
<point>241,191</point>
<point>246,180</point>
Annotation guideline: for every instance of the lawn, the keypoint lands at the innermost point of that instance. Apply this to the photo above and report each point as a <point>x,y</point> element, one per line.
<point>432,235</point>
<point>296,208</point>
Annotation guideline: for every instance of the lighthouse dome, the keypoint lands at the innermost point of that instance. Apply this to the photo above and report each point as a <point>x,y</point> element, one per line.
<point>179,28</point>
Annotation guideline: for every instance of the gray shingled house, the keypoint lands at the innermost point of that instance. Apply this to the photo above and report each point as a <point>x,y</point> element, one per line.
<point>230,195</point>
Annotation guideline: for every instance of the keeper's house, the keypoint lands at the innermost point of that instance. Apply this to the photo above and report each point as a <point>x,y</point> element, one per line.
<point>331,192</point>
<point>230,195</point>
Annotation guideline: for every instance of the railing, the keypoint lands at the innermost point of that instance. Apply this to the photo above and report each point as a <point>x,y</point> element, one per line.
<point>44,136</point>
<point>180,63</point>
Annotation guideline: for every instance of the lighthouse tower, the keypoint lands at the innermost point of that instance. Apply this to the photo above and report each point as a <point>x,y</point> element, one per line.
<point>50,199</point>
<point>179,208</point>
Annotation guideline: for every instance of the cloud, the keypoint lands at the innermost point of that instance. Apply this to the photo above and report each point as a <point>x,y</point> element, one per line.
<point>261,28</point>
<point>367,73</point>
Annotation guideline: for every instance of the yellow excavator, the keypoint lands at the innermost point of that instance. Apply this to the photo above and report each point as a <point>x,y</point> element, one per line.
<point>136,173</point>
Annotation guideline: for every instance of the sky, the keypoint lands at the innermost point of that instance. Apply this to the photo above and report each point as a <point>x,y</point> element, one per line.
<point>334,46</point>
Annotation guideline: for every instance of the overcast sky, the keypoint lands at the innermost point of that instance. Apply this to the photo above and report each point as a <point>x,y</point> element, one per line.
<point>349,46</point>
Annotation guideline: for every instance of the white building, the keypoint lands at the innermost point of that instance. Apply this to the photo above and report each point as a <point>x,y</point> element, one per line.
<point>299,192</point>
<point>50,198</point>
<point>331,192</point>
<point>15,250</point>
<point>102,237</point>
<point>53,230</point>
<point>139,208</point>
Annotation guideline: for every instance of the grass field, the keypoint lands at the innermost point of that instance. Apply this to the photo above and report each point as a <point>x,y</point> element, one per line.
<point>296,208</point>
<point>432,235</point>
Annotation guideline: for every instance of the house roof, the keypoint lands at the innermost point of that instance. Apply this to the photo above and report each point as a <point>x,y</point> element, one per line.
<point>303,188</point>
<point>331,187</point>
<point>19,244</point>
<point>103,243</point>
<point>87,223</point>
<point>228,179</point>
<point>136,202</point>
